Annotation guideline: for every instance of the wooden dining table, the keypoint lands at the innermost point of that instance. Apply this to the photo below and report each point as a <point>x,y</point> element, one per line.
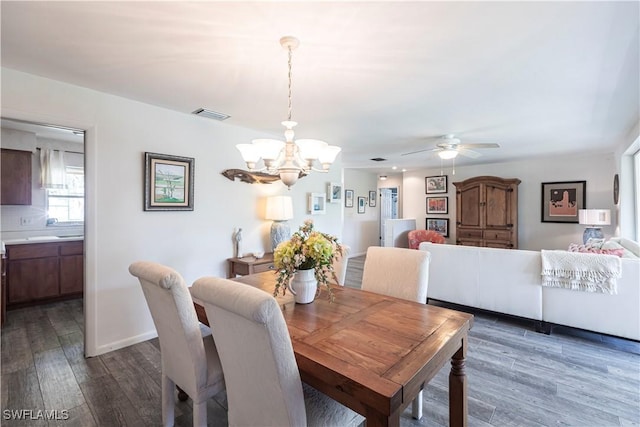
<point>371,352</point>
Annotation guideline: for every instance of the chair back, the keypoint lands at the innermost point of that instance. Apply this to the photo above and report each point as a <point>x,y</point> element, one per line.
<point>418,236</point>
<point>262,378</point>
<point>340,265</point>
<point>175,319</point>
<point>397,272</point>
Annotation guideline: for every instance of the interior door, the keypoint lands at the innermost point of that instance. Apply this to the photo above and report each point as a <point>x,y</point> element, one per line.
<point>388,208</point>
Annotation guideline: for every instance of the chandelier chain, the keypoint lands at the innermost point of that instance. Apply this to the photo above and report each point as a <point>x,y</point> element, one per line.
<point>289,76</point>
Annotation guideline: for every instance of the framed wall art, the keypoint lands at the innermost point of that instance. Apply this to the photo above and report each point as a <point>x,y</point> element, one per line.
<point>435,184</point>
<point>168,182</point>
<point>562,200</point>
<point>334,193</point>
<point>362,202</point>
<point>348,198</point>
<point>438,205</point>
<point>441,225</point>
<point>372,199</point>
<point>317,203</point>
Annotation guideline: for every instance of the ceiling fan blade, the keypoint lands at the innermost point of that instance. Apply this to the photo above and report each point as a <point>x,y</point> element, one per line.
<point>421,151</point>
<point>468,153</point>
<point>480,145</point>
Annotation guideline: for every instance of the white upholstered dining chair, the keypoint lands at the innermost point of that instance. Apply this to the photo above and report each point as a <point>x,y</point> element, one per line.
<point>340,265</point>
<point>189,359</point>
<point>401,273</point>
<point>262,378</point>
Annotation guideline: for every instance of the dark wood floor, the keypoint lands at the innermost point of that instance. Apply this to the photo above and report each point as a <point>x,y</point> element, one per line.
<point>516,376</point>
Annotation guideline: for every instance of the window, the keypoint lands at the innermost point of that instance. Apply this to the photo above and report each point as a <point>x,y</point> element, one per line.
<point>636,174</point>
<point>67,204</point>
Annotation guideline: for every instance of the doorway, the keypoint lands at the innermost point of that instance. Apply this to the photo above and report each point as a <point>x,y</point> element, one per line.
<point>388,208</point>
<point>53,218</point>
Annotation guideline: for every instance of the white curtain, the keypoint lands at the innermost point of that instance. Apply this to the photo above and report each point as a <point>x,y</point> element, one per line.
<point>52,169</point>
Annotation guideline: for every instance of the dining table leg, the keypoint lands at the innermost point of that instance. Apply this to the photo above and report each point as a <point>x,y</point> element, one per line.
<point>376,419</point>
<point>458,409</point>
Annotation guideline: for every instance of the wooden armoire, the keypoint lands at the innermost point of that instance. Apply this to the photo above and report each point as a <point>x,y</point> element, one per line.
<point>487,212</point>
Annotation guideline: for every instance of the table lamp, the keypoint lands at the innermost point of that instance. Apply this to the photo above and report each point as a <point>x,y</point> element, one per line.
<point>279,210</point>
<point>593,218</point>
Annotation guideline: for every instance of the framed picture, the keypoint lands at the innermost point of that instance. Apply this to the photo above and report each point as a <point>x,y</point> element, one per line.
<point>441,225</point>
<point>348,198</point>
<point>168,182</point>
<point>317,203</point>
<point>438,205</point>
<point>334,193</point>
<point>562,200</point>
<point>435,184</point>
<point>362,202</point>
<point>372,199</point>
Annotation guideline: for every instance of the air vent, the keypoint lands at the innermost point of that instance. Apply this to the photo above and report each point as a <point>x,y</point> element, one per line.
<point>211,114</point>
<point>379,159</point>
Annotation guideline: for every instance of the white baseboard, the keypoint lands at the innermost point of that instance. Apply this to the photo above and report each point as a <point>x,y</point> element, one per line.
<point>117,345</point>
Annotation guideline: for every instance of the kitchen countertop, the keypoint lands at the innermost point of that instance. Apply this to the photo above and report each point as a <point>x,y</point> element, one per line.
<point>39,239</point>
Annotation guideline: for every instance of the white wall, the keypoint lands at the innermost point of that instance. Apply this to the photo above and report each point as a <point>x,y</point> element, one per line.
<point>361,230</point>
<point>597,169</point>
<point>118,231</point>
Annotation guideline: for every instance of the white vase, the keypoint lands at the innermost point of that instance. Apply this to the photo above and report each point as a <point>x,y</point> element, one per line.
<point>304,286</point>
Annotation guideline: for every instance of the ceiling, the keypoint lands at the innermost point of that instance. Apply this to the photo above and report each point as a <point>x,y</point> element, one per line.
<point>378,79</point>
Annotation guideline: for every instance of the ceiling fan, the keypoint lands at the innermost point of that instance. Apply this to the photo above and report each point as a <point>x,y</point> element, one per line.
<point>450,146</point>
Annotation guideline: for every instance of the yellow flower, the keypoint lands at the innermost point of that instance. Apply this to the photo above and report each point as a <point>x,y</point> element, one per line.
<point>307,249</point>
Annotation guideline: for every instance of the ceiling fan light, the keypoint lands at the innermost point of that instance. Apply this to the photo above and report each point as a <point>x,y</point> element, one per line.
<point>448,154</point>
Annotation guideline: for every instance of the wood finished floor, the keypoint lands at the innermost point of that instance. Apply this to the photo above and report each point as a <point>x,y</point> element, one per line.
<point>516,377</point>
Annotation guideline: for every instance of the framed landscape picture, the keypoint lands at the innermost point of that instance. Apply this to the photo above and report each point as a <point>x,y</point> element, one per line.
<point>348,198</point>
<point>437,205</point>
<point>441,225</point>
<point>561,201</point>
<point>168,182</point>
<point>435,184</point>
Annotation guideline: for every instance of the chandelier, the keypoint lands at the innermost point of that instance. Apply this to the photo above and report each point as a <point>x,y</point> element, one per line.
<point>289,160</point>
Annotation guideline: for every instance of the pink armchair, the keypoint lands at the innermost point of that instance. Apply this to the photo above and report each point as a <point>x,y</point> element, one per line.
<point>418,236</point>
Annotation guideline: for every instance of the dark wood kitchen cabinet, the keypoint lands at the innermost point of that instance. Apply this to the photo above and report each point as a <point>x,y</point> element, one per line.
<point>15,171</point>
<point>71,268</point>
<point>39,272</point>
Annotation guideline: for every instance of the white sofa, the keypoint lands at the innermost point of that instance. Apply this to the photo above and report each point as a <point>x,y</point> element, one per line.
<point>509,281</point>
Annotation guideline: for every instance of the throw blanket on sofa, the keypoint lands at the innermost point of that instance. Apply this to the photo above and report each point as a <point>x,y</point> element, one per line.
<point>580,271</point>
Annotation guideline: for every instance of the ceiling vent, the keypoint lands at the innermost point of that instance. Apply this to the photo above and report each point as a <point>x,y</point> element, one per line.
<point>211,114</point>
<point>379,159</point>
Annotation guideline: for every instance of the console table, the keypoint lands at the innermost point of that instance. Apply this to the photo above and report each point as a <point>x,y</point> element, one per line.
<point>249,265</point>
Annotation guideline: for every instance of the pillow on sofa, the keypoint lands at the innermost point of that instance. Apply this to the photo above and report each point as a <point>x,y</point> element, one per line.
<point>574,247</point>
<point>631,246</point>
<point>610,244</point>
<point>595,243</point>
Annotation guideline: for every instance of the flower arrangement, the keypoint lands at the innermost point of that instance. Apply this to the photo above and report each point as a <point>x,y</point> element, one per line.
<point>307,249</point>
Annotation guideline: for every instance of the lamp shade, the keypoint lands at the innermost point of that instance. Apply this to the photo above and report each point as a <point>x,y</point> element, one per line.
<point>279,208</point>
<point>594,216</point>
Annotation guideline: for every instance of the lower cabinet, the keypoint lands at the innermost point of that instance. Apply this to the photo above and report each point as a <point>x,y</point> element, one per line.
<point>71,274</point>
<point>38,272</point>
